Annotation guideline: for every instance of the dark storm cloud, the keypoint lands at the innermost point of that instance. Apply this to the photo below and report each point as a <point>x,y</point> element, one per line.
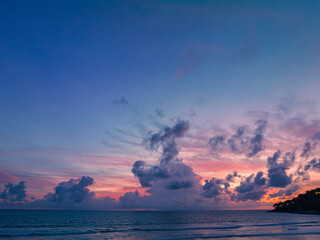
<point>130,199</point>
<point>74,190</point>
<point>181,176</point>
<point>13,192</point>
<point>288,192</point>
<point>277,171</point>
<point>171,183</point>
<point>170,173</point>
<point>231,177</point>
<point>259,179</point>
<point>250,188</point>
<point>250,183</point>
<point>214,187</point>
<point>146,174</point>
<point>174,185</point>
<point>254,195</point>
<point>242,142</point>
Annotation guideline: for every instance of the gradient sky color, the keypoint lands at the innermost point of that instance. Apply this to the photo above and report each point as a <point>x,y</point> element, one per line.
<point>84,83</point>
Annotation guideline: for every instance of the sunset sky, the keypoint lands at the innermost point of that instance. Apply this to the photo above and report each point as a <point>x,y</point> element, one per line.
<point>168,98</point>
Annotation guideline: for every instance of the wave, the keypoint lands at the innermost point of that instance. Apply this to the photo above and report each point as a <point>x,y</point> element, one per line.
<point>239,235</point>
<point>281,224</point>
<point>33,226</point>
<point>186,228</point>
<point>43,233</point>
<point>109,230</point>
<point>169,229</point>
<point>225,227</point>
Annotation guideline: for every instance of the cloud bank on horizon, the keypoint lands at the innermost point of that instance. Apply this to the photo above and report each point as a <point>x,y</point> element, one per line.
<point>170,183</point>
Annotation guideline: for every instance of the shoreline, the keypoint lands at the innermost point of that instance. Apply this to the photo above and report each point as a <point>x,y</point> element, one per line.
<point>311,212</point>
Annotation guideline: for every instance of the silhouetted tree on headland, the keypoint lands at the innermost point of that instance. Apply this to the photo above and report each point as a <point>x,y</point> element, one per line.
<point>308,202</point>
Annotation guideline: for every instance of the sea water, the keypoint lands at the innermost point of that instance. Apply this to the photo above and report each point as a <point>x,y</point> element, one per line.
<point>72,224</point>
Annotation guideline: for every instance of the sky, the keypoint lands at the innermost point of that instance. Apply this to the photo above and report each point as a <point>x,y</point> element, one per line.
<point>158,104</point>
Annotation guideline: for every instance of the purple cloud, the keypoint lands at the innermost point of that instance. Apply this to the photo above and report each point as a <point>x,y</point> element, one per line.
<point>13,193</point>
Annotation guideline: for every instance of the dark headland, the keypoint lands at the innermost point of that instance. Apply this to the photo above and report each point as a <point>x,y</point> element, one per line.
<point>307,203</point>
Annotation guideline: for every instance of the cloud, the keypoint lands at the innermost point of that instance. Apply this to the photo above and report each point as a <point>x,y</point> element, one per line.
<point>300,126</point>
<point>173,185</point>
<point>147,173</point>
<point>238,140</point>
<point>181,176</point>
<point>72,194</point>
<point>214,187</point>
<point>231,177</point>
<point>259,179</point>
<point>255,145</point>
<point>216,142</point>
<point>14,193</point>
<point>130,199</point>
<point>310,145</point>
<point>242,142</point>
<point>312,165</point>
<point>306,149</point>
<point>288,106</point>
<point>287,192</point>
<point>170,169</point>
<point>277,171</point>
<point>316,136</point>
<point>72,191</point>
<point>250,188</point>
<point>170,183</point>
<point>166,139</point>
<point>170,177</point>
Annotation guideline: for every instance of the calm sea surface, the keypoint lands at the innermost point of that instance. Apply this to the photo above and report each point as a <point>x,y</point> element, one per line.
<point>59,224</point>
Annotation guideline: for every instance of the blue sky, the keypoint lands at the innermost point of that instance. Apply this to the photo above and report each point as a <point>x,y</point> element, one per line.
<point>87,77</point>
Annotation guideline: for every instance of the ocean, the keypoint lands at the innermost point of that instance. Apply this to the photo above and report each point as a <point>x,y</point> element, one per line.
<point>72,224</point>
